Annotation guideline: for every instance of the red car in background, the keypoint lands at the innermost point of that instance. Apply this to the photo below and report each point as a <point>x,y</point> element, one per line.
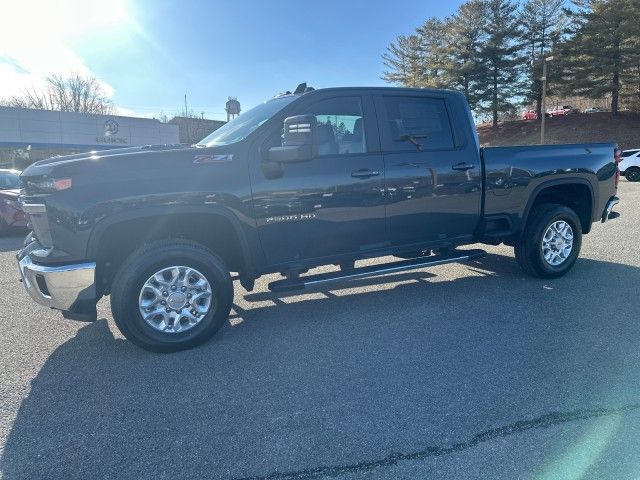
<point>11,216</point>
<point>529,115</point>
<point>562,110</point>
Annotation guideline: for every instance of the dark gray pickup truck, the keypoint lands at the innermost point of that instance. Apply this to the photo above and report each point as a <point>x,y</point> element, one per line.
<point>305,179</point>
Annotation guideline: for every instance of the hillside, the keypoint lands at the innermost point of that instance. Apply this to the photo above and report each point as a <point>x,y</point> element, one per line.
<point>580,128</point>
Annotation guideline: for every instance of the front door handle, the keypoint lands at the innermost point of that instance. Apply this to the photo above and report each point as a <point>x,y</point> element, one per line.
<point>365,173</point>
<point>463,166</point>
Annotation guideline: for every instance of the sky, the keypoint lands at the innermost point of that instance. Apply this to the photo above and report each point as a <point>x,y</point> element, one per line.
<point>148,54</point>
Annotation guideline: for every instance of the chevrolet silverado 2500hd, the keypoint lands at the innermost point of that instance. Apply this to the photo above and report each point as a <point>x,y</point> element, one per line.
<point>316,177</point>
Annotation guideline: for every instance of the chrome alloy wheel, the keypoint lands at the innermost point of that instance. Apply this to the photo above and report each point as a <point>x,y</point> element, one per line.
<point>175,299</point>
<point>557,243</point>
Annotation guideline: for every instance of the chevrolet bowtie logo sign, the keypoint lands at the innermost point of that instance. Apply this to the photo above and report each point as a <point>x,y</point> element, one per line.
<point>111,128</point>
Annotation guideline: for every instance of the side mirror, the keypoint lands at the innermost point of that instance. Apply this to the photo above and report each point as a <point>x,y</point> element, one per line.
<point>298,144</point>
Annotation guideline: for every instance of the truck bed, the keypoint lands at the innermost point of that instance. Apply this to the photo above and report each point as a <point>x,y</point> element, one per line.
<point>513,175</point>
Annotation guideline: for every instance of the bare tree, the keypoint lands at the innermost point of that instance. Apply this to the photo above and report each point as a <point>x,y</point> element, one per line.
<point>17,102</point>
<point>162,117</point>
<point>73,93</point>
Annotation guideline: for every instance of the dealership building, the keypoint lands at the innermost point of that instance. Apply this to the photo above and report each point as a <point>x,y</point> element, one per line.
<point>27,135</point>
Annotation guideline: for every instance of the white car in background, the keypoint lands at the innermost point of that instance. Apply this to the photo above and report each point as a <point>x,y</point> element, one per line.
<point>630,165</point>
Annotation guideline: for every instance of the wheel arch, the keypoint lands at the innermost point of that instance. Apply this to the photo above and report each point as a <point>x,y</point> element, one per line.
<point>569,192</point>
<point>215,228</point>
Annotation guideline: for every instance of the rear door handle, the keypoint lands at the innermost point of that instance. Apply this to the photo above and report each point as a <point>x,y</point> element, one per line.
<point>463,166</point>
<point>365,173</point>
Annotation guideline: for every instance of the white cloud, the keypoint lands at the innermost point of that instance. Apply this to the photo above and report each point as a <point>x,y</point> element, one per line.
<point>36,38</point>
<point>36,41</point>
<point>27,66</point>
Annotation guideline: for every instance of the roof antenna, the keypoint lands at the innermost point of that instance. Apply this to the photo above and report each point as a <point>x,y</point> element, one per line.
<point>300,88</point>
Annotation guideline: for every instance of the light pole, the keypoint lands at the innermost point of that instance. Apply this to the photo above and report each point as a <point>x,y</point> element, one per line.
<point>544,96</point>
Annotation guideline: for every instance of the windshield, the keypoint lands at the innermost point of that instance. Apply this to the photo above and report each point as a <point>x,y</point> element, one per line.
<point>240,127</point>
<point>9,181</point>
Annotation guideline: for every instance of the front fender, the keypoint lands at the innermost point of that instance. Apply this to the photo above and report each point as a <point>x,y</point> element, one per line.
<point>244,235</point>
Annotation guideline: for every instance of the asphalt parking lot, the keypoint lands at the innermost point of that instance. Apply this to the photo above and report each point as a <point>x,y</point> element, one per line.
<point>459,371</point>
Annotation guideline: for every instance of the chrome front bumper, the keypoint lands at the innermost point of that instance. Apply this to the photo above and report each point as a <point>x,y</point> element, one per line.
<point>70,288</point>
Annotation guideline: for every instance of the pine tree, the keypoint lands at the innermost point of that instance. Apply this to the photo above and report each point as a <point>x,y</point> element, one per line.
<point>501,56</point>
<point>630,90</point>
<point>433,46</point>
<point>466,33</point>
<point>542,23</point>
<point>404,62</point>
<point>600,52</point>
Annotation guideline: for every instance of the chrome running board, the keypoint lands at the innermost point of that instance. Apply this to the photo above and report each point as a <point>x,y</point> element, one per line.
<point>301,283</point>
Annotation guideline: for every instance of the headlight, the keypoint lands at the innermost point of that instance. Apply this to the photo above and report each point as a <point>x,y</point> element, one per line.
<point>49,185</point>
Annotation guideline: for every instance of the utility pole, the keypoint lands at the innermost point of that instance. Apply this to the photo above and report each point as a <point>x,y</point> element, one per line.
<point>544,96</point>
<point>186,122</point>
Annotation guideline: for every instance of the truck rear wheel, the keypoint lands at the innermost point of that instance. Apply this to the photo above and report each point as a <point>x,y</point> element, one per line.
<point>551,241</point>
<point>171,295</point>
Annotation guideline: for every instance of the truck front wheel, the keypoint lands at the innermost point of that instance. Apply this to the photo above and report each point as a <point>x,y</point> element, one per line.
<point>171,295</point>
<point>551,241</point>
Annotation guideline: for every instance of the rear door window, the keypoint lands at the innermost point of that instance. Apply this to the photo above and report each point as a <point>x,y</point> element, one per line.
<point>424,119</point>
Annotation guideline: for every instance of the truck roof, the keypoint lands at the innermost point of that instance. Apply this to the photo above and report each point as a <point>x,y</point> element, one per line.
<point>405,90</point>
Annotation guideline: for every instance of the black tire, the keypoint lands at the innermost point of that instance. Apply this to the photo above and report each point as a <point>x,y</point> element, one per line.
<point>528,249</point>
<point>143,263</point>
<point>632,174</point>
